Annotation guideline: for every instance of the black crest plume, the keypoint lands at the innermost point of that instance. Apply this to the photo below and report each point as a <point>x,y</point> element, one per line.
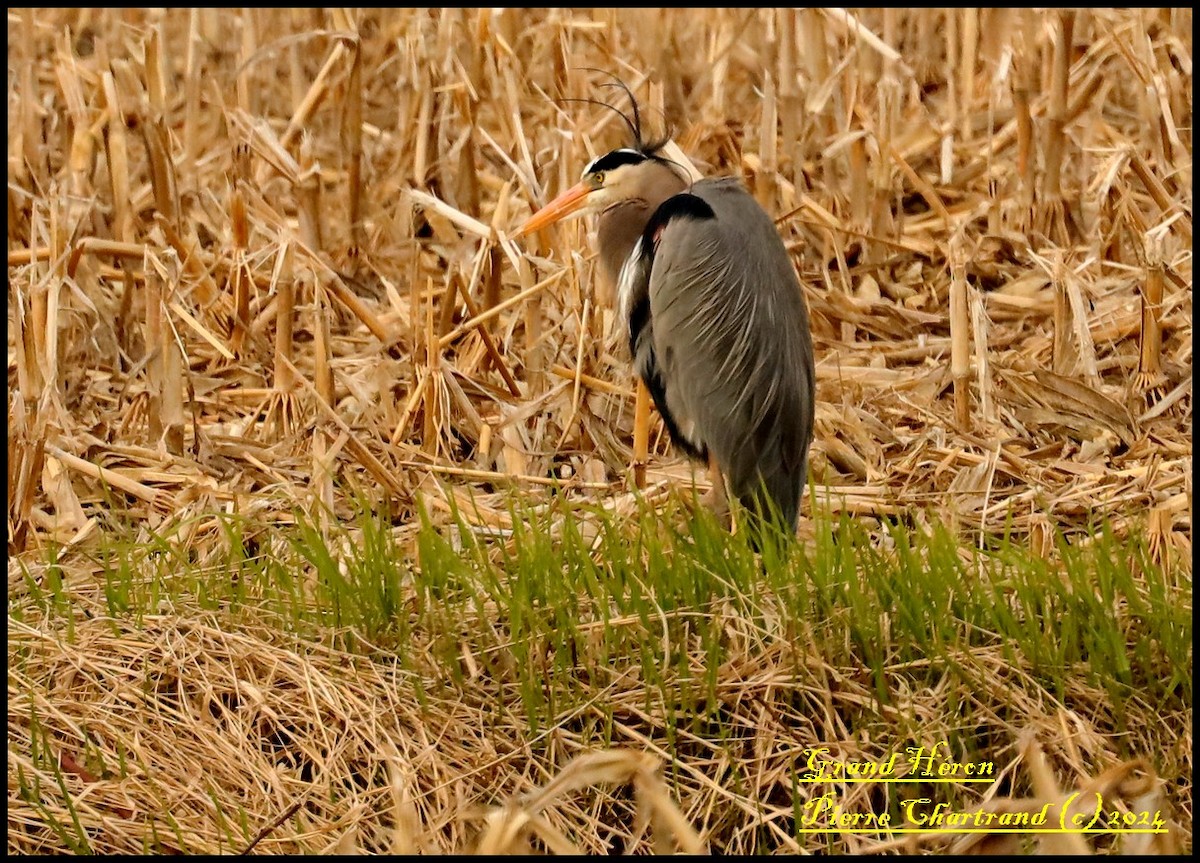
<point>647,146</point>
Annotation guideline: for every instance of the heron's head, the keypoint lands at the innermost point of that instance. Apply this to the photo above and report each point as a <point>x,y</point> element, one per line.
<point>614,178</point>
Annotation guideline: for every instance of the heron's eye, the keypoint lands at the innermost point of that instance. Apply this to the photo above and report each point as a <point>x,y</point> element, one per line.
<point>597,178</point>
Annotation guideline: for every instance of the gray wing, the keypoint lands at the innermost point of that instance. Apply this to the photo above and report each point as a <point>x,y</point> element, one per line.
<point>731,343</point>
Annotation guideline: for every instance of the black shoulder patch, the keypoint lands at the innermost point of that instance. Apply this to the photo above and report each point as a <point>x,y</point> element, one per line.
<point>614,159</point>
<point>682,206</point>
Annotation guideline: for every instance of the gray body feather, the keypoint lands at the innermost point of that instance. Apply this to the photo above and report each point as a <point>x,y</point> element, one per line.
<point>725,347</point>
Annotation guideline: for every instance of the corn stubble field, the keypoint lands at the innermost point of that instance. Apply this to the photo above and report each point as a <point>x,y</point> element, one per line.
<point>323,510</point>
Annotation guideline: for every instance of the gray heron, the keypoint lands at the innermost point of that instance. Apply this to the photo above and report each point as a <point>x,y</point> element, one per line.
<point>715,315</point>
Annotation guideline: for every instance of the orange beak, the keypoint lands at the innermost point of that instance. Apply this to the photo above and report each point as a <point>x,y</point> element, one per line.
<point>569,202</point>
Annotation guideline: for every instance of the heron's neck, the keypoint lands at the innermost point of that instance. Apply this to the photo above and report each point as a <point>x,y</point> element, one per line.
<point>618,230</point>
<point>621,225</point>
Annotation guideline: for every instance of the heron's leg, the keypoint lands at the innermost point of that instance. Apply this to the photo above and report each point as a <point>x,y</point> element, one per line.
<point>716,499</point>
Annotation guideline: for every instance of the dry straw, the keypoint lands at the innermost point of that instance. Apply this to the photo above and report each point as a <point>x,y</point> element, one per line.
<point>253,740</point>
<point>258,259</point>
<point>361,163</point>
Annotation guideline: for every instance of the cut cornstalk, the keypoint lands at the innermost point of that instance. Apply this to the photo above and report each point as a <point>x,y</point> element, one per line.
<point>1064,355</point>
<point>765,182</point>
<point>1150,373</point>
<point>430,429</point>
<point>285,309</point>
<point>308,191</point>
<point>1056,114</point>
<point>352,136</point>
<point>156,367</point>
<point>960,328</point>
<point>322,372</point>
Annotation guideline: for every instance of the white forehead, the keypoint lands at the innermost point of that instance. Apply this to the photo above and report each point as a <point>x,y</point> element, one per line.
<point>591,166</point>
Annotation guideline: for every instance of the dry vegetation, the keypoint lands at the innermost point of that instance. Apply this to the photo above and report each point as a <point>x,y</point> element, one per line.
<point>258,262</point>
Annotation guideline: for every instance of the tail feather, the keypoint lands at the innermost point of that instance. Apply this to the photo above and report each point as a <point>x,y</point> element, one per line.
<point>775,498</point>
